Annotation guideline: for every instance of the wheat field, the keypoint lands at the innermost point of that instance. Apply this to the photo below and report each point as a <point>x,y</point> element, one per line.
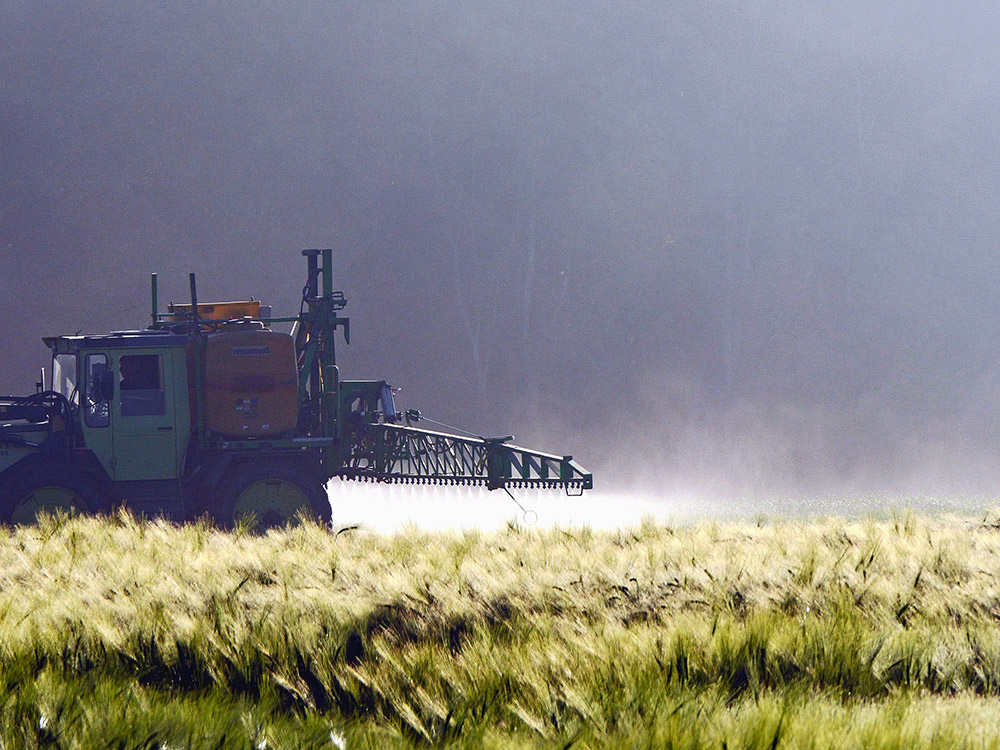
<point>838,633</point>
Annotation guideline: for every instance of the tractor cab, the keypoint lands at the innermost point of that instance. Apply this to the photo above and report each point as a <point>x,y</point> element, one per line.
<point>129,391</point>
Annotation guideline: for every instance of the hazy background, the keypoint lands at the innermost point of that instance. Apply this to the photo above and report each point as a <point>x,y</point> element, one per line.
<point>716,250</point>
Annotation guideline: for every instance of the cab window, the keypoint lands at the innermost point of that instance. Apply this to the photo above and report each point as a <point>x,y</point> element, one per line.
<point>141,385</point>
<point>64,377</point>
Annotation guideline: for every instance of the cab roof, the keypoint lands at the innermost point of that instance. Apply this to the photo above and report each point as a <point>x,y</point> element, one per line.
<point>115,340</point>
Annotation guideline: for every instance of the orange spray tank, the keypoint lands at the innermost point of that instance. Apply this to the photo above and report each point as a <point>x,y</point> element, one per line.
<point>251,383</point>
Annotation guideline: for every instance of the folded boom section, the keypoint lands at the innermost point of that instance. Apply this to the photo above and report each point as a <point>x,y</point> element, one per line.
<point>393,453</point>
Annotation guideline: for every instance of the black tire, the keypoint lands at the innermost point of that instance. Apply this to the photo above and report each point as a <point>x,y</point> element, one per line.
<point>275,493</point>
<point>46,486</point>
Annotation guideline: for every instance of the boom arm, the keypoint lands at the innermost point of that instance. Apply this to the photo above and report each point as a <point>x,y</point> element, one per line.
<point>409,455</point>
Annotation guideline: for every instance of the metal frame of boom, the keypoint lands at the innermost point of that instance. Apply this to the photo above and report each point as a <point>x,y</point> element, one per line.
<point>408,455</point>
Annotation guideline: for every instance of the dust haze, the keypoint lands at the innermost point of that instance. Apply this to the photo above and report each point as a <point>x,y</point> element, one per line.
<point>717,251</point>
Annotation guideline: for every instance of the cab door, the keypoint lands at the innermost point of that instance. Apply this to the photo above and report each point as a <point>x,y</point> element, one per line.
<point>143,414</point>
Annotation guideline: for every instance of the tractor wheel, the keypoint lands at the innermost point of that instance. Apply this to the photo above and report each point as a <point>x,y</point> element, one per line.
<point>46,487</point>
<point>272,495</point>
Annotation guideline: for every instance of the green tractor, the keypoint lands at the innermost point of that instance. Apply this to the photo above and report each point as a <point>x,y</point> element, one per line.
<point>211,411</point>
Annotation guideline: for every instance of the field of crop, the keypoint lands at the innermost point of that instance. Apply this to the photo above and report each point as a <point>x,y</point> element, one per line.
<point>826,634</point>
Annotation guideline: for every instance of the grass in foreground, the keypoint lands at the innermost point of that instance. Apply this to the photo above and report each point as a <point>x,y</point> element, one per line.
<point>831,634</point>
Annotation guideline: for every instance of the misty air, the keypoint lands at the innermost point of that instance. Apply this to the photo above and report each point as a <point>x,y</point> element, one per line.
<point>498,374</point>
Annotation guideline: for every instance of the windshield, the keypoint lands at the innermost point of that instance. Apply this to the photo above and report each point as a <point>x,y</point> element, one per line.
<point>64,377</point>
<point>388,404</point>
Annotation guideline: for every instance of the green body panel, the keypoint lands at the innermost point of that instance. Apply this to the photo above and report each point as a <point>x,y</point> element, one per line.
<point>101,442</point>
<point>182,410</point>
<point>145,445</point>
<point>13,453</point>
<point>142,450</point>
